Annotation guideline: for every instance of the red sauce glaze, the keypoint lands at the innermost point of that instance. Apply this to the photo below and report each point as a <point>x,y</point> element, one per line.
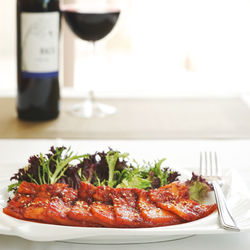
<point>104,206</point>
<point>156,215</point>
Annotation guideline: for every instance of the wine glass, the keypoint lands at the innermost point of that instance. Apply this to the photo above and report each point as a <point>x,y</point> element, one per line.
<point>91,20</point>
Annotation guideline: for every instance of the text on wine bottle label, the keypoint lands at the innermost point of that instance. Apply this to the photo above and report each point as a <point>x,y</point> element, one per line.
<point>39,43</point>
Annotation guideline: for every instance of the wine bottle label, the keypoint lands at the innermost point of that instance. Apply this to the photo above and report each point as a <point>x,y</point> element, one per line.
<point>39,44</point>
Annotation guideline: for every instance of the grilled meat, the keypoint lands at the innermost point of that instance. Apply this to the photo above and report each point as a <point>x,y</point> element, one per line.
<point>104,206</point>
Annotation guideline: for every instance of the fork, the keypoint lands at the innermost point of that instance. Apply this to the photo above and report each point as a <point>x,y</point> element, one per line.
<point>211,171</point>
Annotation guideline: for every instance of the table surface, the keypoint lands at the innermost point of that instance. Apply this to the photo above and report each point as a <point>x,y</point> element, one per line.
<point>164,119</point>
<point>161,118</point>
<point>179,153</point>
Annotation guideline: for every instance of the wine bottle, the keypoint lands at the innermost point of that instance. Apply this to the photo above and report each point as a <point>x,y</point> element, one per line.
<point>38,30</point>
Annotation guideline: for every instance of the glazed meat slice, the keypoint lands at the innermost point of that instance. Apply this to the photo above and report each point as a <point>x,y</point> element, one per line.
<point>61,203</point>
<point>47,206</point>
<point>187,209</point>
<point>37,210</point>
<point>104,194</point>
<point>23,200</point>
<point>28,188</point>
<point>95,205</point>
<point>57,211</point>
<point>42,203</point>
<point>81,212</point>
<point>125,207</point>
<point>102,208</point>
<point>86,192</point>
<point>104,214</point>
<point>17,205</point>
<point>176,201</point>
<point>155,215</point>
<point>44,191</point>
<point>175,190</point>
<point>68,195</point>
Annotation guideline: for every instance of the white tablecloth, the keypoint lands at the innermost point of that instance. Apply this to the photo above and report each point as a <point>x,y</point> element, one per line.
<point>179,153</point>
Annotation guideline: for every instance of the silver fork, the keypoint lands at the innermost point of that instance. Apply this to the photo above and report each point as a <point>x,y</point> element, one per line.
<point>210,169</point>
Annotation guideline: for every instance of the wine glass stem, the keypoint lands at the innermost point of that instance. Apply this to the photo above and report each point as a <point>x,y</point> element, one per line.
<point>93,48</point>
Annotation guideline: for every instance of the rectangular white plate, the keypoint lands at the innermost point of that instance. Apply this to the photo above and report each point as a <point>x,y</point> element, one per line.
<point>236,195</point>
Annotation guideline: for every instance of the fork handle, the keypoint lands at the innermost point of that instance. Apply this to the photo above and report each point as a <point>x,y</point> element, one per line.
<point>225,217</point>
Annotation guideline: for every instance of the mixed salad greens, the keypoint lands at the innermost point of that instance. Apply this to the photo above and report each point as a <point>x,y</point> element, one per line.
<point>111,168</point>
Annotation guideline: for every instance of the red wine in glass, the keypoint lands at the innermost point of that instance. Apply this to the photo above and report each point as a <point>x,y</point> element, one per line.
<point>91,26</point>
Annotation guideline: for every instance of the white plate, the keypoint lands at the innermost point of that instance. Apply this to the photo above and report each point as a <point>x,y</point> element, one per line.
<point>237,198</point>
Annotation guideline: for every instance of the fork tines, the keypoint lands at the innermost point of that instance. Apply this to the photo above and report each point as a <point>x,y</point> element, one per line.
<point>209,164</point>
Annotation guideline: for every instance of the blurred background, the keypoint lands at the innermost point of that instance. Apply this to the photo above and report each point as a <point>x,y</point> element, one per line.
<point>158,48</point>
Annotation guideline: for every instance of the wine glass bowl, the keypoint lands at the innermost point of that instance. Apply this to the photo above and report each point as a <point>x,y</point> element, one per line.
<point>91,26</point>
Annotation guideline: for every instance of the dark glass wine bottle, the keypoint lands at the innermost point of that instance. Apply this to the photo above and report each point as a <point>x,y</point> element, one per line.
<point>38,30</point>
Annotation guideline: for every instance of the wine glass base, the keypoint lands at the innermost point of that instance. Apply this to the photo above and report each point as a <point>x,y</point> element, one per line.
<point>89,109</point>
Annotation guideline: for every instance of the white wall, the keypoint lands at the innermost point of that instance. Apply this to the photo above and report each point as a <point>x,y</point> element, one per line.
<point>7,28</point>
<point>165,40</point>
<point>178,46</point>
<point>8,46</point>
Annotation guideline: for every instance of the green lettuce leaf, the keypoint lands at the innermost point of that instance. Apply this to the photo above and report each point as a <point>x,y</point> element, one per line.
<point>198,188</point>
